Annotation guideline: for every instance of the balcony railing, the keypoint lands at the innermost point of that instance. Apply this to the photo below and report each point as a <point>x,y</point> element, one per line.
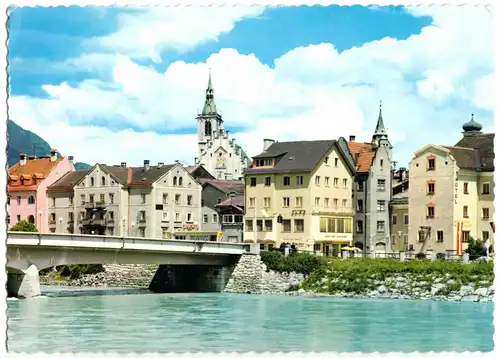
<point>110,222</point>
<point>95,205</point>
<point>94,222</point>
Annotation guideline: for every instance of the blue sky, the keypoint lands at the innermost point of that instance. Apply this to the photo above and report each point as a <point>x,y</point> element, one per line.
<point>134,79</point>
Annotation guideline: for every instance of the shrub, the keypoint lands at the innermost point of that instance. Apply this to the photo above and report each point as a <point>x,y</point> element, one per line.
<point>300,262</point>
<point>475,248</point>
<point>25,226</point>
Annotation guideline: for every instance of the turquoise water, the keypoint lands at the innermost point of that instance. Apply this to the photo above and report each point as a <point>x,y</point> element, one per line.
<point>138,321</point>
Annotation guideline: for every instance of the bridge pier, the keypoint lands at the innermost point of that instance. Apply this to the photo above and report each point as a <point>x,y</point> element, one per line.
<point>23,283</point>
<point>190,278</point>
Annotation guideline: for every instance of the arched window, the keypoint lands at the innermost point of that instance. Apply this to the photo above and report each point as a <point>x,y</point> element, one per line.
<point>180,181</point>
<point>103,181</point>
<point>175,180</point>
<point>31,219</point>
<point>91,181</point>
<point>31,199</point>
<point>208,128</point>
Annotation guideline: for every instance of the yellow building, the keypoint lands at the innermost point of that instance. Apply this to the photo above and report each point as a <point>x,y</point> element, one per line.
<point>451,193</point>
<point>307,187</point>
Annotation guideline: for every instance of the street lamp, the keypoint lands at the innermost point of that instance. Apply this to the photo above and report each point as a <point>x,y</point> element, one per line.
<point>132,233</point>
<point>60,223</point>
<point>40,213</point>
<point>124,219</point>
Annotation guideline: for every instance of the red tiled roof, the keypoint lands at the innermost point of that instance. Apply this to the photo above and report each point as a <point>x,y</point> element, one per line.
<point>225,185</point>
<point>365,155</point>
<point>30,175</point>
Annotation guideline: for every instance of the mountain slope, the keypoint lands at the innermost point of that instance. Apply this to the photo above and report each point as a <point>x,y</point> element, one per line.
<point>20,140</point>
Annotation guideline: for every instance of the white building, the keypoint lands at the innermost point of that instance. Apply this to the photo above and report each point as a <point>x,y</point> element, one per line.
<point>217,152</point>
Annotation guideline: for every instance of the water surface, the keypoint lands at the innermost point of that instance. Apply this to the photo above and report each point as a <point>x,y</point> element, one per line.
<point>70,320</point>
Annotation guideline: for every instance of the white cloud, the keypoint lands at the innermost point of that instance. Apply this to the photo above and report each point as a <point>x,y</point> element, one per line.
<point>148,33</point>
<point>312,92</point>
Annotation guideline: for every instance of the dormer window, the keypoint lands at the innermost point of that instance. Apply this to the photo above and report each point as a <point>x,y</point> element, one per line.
<point>263,162</point>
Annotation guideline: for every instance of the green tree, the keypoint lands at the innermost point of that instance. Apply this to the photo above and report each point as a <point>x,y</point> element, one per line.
<point>25,226</point>
<point>475,248</point>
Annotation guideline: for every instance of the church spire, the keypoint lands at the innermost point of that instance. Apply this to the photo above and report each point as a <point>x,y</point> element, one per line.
<point>209,107</point>
<point>380,132</point>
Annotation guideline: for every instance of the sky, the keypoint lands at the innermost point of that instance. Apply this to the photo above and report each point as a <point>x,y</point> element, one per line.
<point>115,84</point>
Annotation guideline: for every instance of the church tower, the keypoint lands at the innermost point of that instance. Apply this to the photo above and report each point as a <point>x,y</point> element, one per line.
<point>210,123</point>
<point>380,137</point>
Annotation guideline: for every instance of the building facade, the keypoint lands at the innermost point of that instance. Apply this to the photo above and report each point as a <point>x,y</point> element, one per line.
<point>231,212</point>
<point>451,194</point>
<point>372,190</point>
<point>27,187</point>
<point>300,193</point>
<point>148,201</point>
<point>398,209</point>
<point>220,155</point>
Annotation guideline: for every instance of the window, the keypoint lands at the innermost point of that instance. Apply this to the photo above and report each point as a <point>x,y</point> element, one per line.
<point>286,225</point>
<point>267,181</point>
<point>214,218</point>
<point>298,225</point>
<point>344,182</point>
<point>177,199</point>
<point>381,184</point>
<point>31,199</point>
<point>406,219</point>
<point>431,164</point>
<point>316,202</point>
<point>52,202</point>
<point>486,213</point>
<point>103,181</point>
<point>165,216</point>
<point>219,200</point>
<point>259,225</point>
<point>178,217</point>
<point>317,180</point>
<point>190,200</point>
<point>71,217</point>
<point>465,236</point>
<point>440,236</point>
<point>360,185</point>
<point>466,188</point>
<point>286,181</point>
<point>111,215</point>
<point>286,202</point>
<point>326,160</point>
<point>202,202</point>
<point>253,181</point>
<point>430,211</point>
<point>393,240</point>
<point>327,181</point>
<point>359,206</point>
<point>268,225</point>
<point>336,162</point>
<point>142,215</point>
<point>336,182</point>
<point>102,198</point>
<point>380,205</point>
<point>380,226</point>
<point>359,226</point>
<point>227,219</point>
<point>327,202</point>
<point>486,188</point>
<point>248,225</point>
<point>335,202</point>
<point>238,218</point>
<point>142,232</point>
<point>82,199</point>
<point>111,198</point>
<point>381,163</point>
<point>91,198</point>
<point>165,198</point>
<point>251,202</point>
<point>189,217</point>
<point>205,218</point>
<point>394,219</point>
<point>143,198</point>
<point>299,180</point>
<point>298,201</point>
<point>405,239</point>
<point>267,202</point>
<point>485,235</point>
<point>174,181</point>
<point>344,203</point>
<point>71,200</point>
<point>430,188</point>
<point>180,181</point>
<point>82,215</point>
<point>18,217</point>
<point>18,200</point>
<point>91,181</point>
<point>466,211</point>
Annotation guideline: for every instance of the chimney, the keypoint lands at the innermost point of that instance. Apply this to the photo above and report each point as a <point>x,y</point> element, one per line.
<point>53,155</point>
<point>22,159</point>
<point>146,164</point>
<point>268,143</point>
<point>160,164</point>
<point>123,164</point>
<point>352,138</point>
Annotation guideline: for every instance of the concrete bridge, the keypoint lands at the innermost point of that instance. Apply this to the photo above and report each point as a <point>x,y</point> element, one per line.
<point>188,261</point>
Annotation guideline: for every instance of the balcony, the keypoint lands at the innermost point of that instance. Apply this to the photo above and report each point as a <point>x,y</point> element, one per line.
<point>110,222</point>
<point>330,211</point>
<point>95,205</point>
<point>93,222</point>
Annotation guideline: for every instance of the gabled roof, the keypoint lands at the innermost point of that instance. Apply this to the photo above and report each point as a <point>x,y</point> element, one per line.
<point>31,174</point>
<point>199,171</point>
<point>297,156</point>
<point>237,202</point>
<point>68,181</point>
<point>363,154</point>
<point>225,186</point>
<point>467,158</point>
<point>484,144</point>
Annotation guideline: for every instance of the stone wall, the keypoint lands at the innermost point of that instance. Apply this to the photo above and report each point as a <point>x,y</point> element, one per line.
<point>250,276</point>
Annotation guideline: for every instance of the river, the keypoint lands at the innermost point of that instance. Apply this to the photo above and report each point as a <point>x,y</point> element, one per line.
<point>96,320</point>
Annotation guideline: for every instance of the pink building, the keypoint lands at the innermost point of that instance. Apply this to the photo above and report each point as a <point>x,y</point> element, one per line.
<point>27,187</point>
